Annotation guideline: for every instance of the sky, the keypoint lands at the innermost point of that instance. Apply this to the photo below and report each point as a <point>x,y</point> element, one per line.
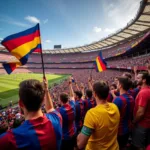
<point>70,23</point>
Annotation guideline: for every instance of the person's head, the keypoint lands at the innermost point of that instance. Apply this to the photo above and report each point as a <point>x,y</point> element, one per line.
<point>63,98</point>
<point>31,94</point>
<point>116,80</point>
<point>78,95</point>
<point>113,86</point>
<point>134,84</point>
<point>100,90</point>
<point>127,74</point>
<point>89,94</point>
<point>143,78</point>
<point>124,83</point>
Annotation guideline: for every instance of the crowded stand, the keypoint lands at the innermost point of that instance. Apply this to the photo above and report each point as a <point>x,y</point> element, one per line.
<point>80,94</point>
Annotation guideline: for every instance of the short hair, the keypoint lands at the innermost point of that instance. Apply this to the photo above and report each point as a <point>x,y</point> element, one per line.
<point>31,93</point>
<point>64,97</point>
<point>146,76</point>
<point>125,82</point>
<point>89,93</point>
<point>101,89</point>
<point>134,84</point>
<point>78,93</point>
<point>128,75</point>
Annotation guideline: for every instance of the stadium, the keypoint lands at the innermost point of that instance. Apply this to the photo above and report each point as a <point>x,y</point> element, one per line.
<point>122,50</point>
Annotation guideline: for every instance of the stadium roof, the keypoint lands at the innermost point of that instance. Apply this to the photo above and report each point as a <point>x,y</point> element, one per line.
<point>135,28</point>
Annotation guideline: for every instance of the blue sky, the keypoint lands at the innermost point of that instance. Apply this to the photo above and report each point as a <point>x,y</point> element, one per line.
<point>67,22</point>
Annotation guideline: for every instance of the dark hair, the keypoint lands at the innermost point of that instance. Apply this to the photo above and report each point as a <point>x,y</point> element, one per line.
<point>78,93</point>
<point>116,77</point>
<point>125,82</point>
<point>134,84</point>
<point>101,89</point>
<point>64,97</point>
<point>146,76</point>
<point>31,93</point>
<point>128,75</point>
<point>114,85</point>
<point>89,93</point>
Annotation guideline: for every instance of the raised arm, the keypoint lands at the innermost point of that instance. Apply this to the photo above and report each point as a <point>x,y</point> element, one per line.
<point>77,86</point>
<point>71,90</point>
<point>82,90</point>
<point>48,101</point>
<point>135,72</point>
<point>90,83</point>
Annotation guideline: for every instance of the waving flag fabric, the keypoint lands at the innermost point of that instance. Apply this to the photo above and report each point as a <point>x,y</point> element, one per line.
<point>100,64</point>
<point>21,45</point>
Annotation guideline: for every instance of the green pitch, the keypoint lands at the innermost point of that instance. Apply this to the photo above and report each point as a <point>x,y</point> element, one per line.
<point>9,85</point>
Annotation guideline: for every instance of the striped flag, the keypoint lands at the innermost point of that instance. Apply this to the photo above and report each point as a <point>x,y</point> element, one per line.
<point>21,45</point>
<point>100,64</point>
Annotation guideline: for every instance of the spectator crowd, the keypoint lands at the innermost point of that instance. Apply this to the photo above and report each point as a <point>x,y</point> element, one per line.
<point>102,112</point>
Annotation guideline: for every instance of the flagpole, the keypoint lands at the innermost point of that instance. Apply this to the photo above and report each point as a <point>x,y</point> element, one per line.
<point>42,63</point>
<point>42,56</point>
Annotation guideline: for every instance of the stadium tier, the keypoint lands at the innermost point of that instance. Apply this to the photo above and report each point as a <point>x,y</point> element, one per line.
<point>126,56</point>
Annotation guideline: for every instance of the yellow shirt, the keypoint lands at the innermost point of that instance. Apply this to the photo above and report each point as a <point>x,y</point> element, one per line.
<point>104,120</point>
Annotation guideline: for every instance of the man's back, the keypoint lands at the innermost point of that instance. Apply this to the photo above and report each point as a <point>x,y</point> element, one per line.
<point>67,112</point>
<point>80,112</point>
<point>104,120</point>
<point>41,133</point>
<point>125,104</point>
<point>89,103</point>
<point>134,92</point>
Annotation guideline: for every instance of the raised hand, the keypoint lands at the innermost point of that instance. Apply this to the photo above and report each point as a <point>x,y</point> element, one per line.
<point>89,79</point>
<point>70,80</point>
<point>135,69</point>
<point>82,86</point>
<point>45,83</point>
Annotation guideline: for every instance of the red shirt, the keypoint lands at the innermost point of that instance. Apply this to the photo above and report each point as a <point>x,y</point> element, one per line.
<point>143,100</point>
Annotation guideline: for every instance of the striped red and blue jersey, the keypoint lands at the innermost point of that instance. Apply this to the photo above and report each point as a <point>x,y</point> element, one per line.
<point>110,98</point>
<point>125,104</point>
<point>42,133</point>
<point>67,112</point>
<point>134,92</point>
<point>88,104</point>
<point>80,113</point>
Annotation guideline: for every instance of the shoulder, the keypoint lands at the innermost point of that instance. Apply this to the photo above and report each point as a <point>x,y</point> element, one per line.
<point>113,106</point>
<point>54,116</point>
<point>71,102</point>
<point>143,93</point>
<point>92,111</point>
<point>90,114</point>
<point>117,99</point>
